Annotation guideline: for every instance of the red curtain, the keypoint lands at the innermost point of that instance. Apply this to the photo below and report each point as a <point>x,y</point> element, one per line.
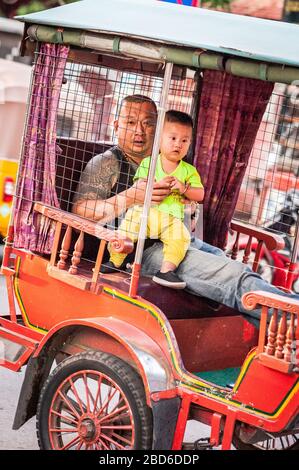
<point>231,109</point>
<point>38,164</point>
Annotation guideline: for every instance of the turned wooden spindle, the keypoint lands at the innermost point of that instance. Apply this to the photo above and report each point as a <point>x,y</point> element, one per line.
<point>96,270</point>
<point>65,247</point>
<point>272,332</point>
<point>290,340</point>
<point>235,249</point>
<point>76,258</point>
<point>281,336</point>
<point>247,251</point>
<point>255,264</point>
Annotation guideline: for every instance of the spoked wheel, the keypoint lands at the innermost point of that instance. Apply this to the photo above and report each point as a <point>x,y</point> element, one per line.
<point>268,442</point>
<point>93,401</point>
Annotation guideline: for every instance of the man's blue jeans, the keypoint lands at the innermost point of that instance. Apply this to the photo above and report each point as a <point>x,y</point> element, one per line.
<point>201,245</point>
<point>217,277</point>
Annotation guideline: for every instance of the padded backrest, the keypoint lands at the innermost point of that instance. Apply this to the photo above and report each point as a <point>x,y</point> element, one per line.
<point>72,157</point>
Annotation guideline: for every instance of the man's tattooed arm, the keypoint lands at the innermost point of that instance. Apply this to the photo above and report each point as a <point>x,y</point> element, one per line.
<point>92,198</point>
<point>98,178</point>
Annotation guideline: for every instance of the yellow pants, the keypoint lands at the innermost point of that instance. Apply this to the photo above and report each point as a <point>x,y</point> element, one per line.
<point>170,230</point>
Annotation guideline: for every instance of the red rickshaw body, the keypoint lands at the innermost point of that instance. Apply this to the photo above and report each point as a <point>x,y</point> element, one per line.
<point>134,361</point>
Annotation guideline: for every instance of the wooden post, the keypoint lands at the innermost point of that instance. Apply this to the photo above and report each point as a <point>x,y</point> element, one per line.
<point>290,340</point>
<point>96,269</point>
<point>262,332</point>
<point>272,332</point>
<point>65,246</point>
<point>281,336</point>
<point>235,249</point>
<point>55,243</point>
<point>247,251</point>
<point>256,261</point>
<point>76,258</point>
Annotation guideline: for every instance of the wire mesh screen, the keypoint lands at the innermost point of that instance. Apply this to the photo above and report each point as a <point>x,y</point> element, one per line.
<point>269,194</point>
<point>89,106</point>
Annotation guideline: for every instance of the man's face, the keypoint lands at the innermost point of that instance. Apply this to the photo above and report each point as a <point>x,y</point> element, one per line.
<point>135,129</point>
<point>175,141</point>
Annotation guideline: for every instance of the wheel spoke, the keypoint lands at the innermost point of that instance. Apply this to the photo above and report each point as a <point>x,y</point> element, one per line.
<point>98,395</point>
<point>74,390</point>
<point>71,443</point>
<point>122,438</point>
<point>125,427</point>
<point>107,438</point>
<point>87,392</point>
<point>113,414</point>
<point>79,445</point>
<point>107,401</point>
<point>65,419</point>
<point>62,430</point>
<point>66,400</point>
<point>103,444</point>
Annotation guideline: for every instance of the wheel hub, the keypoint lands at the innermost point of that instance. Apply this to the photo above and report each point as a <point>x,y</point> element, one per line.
<point>87,429</point>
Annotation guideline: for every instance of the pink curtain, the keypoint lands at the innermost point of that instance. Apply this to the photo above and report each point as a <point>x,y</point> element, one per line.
<point>37,173</point>
<point>231,109</point>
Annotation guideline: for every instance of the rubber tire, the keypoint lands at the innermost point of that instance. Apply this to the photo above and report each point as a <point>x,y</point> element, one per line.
<point>126,378</point>
<point>240,445</point>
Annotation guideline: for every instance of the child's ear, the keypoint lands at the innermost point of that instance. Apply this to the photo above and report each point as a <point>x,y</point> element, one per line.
<point>115,125</point>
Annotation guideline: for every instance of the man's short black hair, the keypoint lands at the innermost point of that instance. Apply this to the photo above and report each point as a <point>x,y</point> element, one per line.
<point>137,99</point>
<point>178,116</point>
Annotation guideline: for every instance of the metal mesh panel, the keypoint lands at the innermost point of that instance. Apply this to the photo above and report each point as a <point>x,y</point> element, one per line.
<point>89,104</point>
<point>269,197</point>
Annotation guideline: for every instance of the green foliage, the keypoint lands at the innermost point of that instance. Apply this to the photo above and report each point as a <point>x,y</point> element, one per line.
<point>39,5</point>
<point>212,4</point>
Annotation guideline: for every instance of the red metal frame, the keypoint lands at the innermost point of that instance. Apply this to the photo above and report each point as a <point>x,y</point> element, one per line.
<point>221,408</point>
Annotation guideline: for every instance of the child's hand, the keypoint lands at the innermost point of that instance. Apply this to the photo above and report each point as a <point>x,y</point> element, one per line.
<point>178,185</point>
<point>168,181</point>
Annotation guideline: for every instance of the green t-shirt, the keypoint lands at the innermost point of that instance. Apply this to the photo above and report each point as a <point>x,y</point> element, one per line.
<point>184,172</point>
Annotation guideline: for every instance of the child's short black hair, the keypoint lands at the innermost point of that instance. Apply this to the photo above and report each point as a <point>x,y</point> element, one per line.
<point>178,116</point>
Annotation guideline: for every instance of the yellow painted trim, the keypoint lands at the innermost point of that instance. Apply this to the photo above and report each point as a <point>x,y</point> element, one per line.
<point>20,302</point>
<point>250,410</point>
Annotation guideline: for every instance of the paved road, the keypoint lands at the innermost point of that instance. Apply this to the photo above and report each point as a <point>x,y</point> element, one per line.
<point>24,438</point>
<point>10,384</point>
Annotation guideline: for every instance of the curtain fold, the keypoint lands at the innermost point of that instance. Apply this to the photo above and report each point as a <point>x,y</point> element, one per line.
<point>231,110</point>
<point>38,164</point>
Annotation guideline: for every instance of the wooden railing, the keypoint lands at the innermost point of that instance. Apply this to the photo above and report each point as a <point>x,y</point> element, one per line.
<point>270,240</point>
<point>80,226</point>
<point>278,345</point>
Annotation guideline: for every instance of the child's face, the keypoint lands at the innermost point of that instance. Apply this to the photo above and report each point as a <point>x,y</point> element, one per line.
<point>175,141</point>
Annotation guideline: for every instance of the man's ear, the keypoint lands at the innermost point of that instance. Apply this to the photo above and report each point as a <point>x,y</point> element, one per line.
<point>115,125</point>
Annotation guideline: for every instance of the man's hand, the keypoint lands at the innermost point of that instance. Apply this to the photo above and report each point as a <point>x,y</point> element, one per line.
<point>161,190</point>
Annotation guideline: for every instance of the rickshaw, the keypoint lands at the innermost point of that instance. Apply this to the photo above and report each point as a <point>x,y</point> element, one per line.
<point>15,81</point>
<point>134,362</point>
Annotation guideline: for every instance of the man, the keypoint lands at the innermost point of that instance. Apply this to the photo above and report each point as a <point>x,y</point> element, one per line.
<point>105,191</point>
<point>112,173</point>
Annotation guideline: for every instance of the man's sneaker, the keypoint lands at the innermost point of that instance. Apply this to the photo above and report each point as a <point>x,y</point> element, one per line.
<point>169,279</point>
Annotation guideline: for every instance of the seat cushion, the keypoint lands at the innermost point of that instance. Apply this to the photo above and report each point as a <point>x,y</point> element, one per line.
<point>175,304</point>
